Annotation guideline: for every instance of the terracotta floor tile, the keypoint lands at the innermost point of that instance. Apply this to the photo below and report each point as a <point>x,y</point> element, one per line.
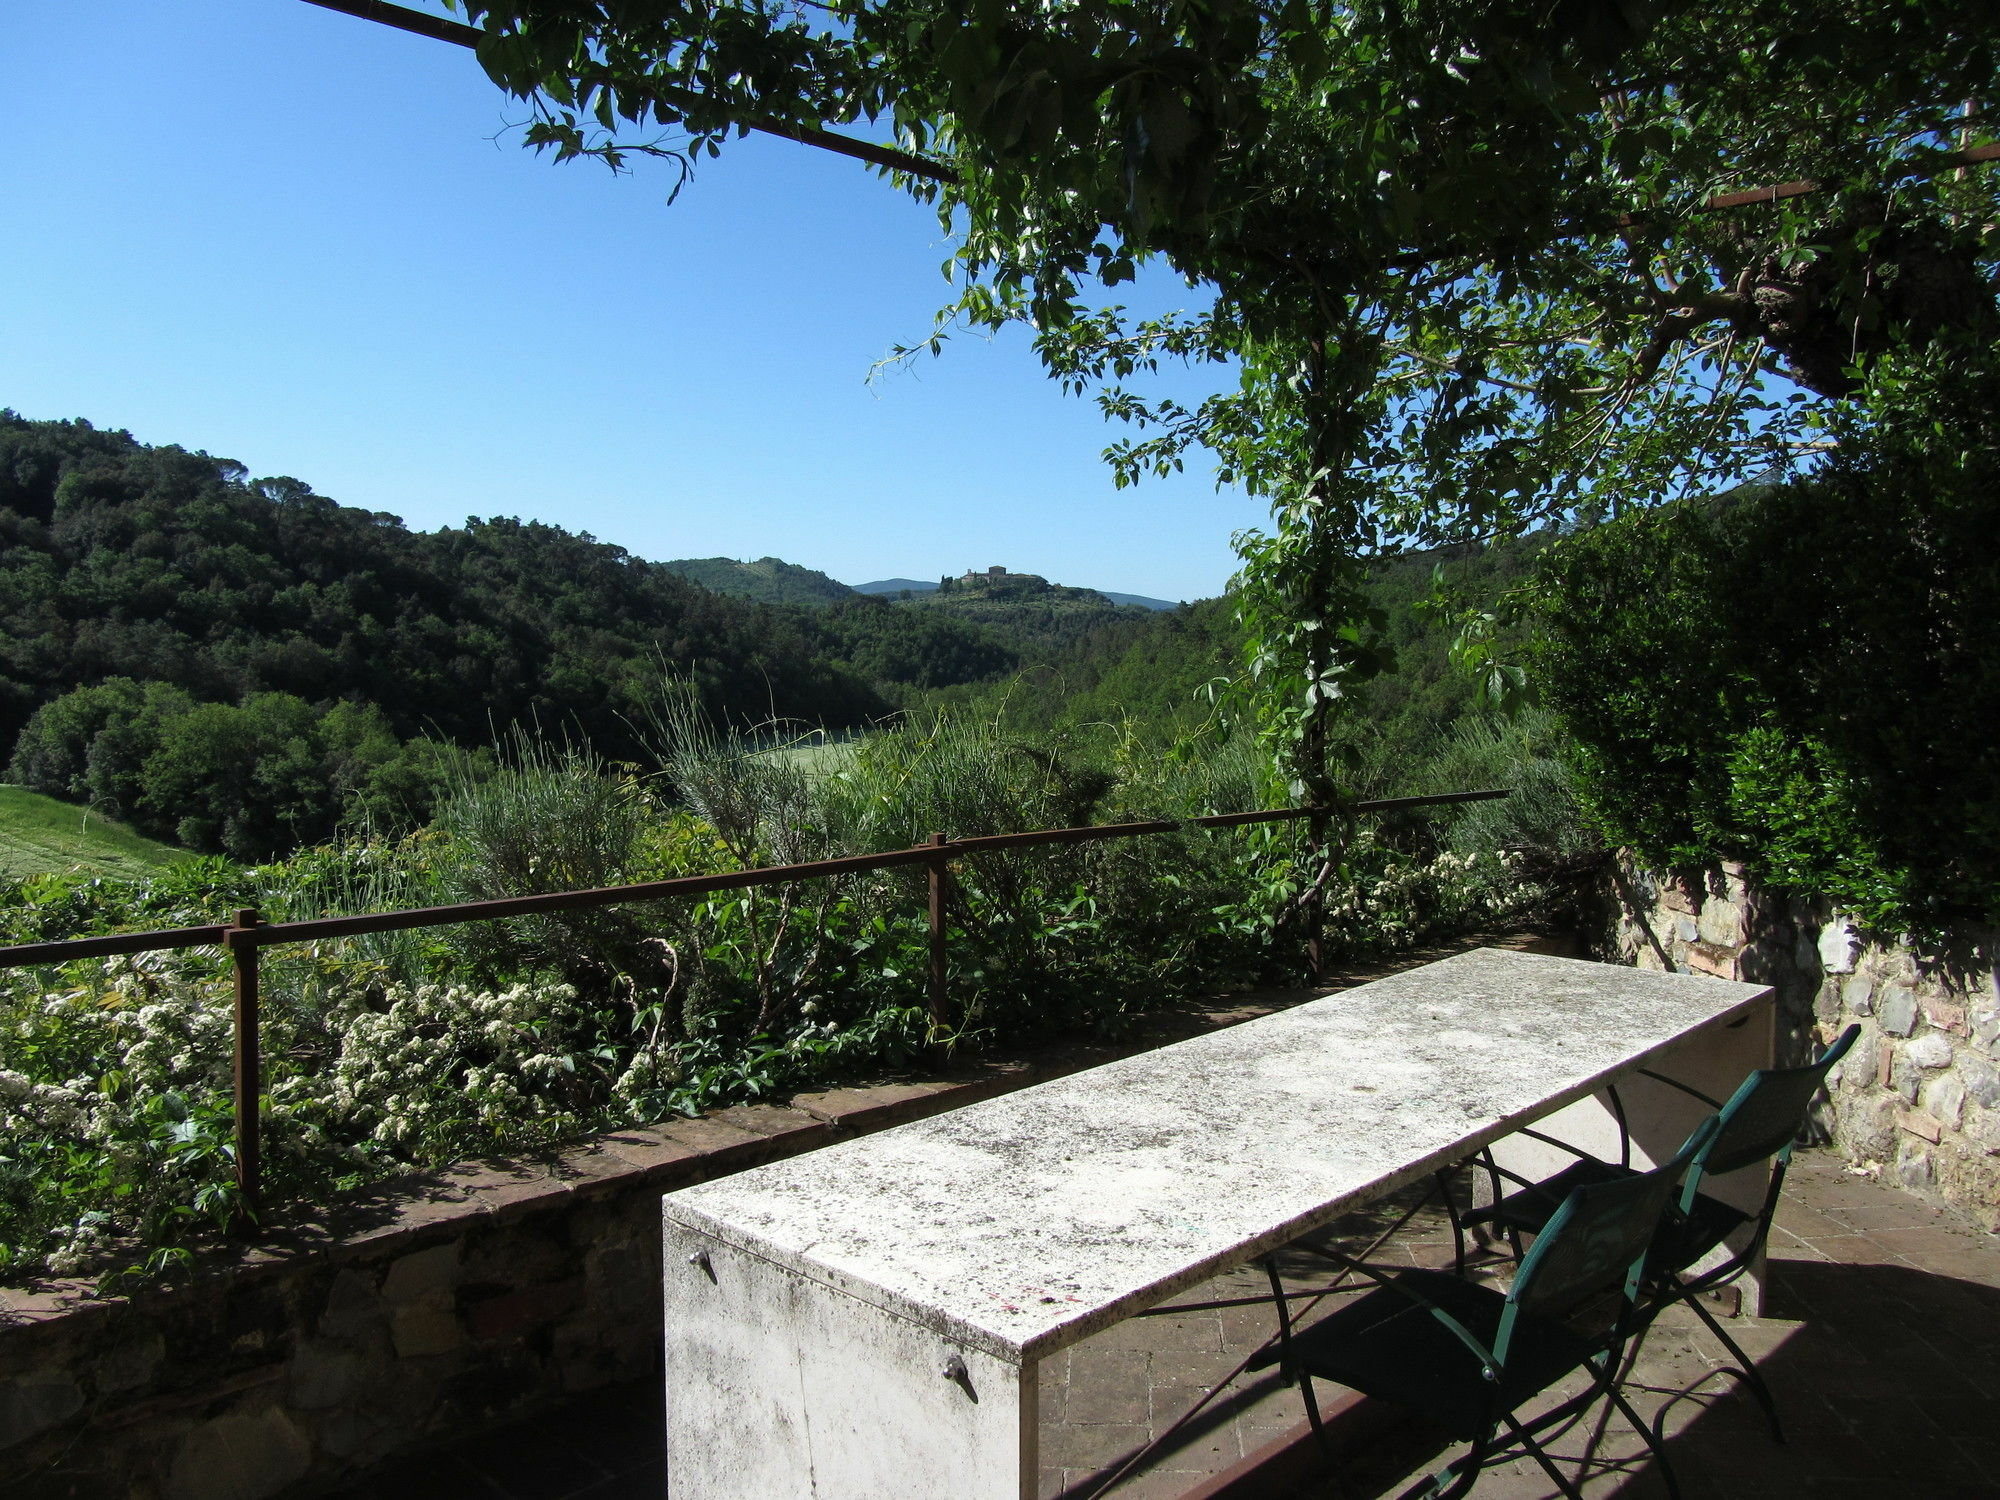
<point>1919,1242</point>
<point>1852,1249</point>
<point>1977,1265</point>
<point>1121,1404</point>
<point>1786,1245</point>
<point>1086,1447</point>
<point>1900,1211</point>
<point>1180,1372</point>
<point>1800,1218</point>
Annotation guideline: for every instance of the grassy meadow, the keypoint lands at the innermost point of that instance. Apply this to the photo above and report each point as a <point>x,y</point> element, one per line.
<point>42,836</point>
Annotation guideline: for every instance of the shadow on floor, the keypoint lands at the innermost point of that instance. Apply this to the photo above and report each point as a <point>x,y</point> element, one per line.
<point>1887,1380</point>
<point>608,1445</point>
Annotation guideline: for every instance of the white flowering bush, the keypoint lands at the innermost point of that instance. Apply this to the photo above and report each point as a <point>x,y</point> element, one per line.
<point>113,1110</point>
<point>1384,899</point>
<point>438,1069</point>
<point>116,1131</point>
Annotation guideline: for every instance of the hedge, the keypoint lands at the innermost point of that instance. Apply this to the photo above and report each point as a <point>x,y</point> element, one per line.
<point>1803,677</point>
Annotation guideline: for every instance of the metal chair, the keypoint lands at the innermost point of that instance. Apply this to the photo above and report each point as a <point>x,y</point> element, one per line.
<point>1467,1356</point>
<point>1761,1121</point>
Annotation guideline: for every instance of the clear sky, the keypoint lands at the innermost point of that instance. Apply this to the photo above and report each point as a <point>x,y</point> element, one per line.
<point>308,243</point>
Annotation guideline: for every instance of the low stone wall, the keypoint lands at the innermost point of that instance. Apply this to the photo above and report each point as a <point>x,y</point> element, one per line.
<point>428,1310</point>
<point>432,1308</point>
<point>1919,1096</point>
<point>436,1309</point>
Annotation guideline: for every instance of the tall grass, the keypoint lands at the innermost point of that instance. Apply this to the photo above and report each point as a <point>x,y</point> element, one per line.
<point>1520,753</point>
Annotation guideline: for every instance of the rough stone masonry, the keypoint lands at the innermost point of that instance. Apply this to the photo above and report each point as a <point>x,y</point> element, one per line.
<point>1918,1099</point>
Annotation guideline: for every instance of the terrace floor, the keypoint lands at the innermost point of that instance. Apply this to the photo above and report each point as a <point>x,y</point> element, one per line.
<point>1881,1344</point>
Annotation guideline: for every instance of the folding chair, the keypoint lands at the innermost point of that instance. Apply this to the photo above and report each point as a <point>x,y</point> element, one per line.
<point>1762,1120</point>
<point>1467,1356</point>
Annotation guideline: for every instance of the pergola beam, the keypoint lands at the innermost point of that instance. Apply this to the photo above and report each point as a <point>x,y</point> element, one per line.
<point>459,34</point>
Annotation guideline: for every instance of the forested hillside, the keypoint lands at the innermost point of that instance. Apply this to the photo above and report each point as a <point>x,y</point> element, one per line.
<point>953,632</point>
<point>240,665</point>
<point>118,559</point>
<point>897,646</point>
<point>768,580</point>
<point>201,623</point>
<point>1162,669</point>
<point>1143,667</point>
<point>895,587</point>
<point>1038,619</point>
<point>1423,690</point>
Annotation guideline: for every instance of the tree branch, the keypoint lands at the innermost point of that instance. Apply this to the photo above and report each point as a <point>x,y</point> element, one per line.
<point>456,32</point>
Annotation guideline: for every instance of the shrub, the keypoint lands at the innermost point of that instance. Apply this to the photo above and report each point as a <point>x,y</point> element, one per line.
<point>249,780</point>
<point>1805,678</point>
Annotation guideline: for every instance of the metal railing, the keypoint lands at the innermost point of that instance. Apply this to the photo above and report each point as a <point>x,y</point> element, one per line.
<point>247,935</point>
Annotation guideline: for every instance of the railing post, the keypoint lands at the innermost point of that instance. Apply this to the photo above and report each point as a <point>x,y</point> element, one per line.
<point>241,940</point>
<point>939,875</point>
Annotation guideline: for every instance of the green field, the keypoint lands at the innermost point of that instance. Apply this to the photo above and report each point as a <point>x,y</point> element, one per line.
<point>39,834</point>
<point>821,757</point>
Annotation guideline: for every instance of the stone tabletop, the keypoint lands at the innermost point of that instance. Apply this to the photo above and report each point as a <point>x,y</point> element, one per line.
<point>1024,1223</point>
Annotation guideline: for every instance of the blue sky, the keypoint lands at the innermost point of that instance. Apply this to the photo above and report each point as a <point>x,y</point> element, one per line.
<point>309,243</point>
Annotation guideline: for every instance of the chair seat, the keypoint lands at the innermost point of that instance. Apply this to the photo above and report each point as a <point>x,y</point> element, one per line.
<point>1387,1347</point>
<point>1683,1239</point>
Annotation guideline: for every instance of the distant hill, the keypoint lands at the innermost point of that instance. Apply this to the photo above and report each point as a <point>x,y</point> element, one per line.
<point>768,580</point>
<point>924,586</point>
<point>236,663</point>
<point>120,559</point>
<point>1038,619</point>
<point>1155,667</point>
<point>1141,600</point>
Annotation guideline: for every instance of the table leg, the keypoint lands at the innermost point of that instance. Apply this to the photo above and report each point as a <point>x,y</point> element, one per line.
<point>780,1387</point>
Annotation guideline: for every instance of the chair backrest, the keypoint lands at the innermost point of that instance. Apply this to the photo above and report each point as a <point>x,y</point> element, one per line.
<point>1596,1240</point>
<point>1765,1115</point>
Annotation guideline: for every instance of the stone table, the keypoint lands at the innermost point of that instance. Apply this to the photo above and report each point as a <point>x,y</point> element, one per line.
<point>865,1321</point>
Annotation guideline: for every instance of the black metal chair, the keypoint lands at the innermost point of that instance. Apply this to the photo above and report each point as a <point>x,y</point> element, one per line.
<point>1761,1121</point>
<point>1467,1356</point>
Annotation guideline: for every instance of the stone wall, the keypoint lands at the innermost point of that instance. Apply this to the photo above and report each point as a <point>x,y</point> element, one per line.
<point>1918,1099</point>
<point>431,1309</point>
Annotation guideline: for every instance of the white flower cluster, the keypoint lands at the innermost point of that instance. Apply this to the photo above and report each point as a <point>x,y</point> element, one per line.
<point>25,1104</point>
<point>81,1242</point>
<point>445,1056</point>
<point>1403,899</point>
<point>135,1068</point>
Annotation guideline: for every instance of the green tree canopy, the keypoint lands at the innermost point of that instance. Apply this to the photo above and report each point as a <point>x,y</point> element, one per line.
<point>1466,256</point>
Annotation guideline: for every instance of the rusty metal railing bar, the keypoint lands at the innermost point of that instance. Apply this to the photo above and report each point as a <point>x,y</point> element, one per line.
<point>245,937</point>
<point>26,955</point>
<point>314,929</point>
